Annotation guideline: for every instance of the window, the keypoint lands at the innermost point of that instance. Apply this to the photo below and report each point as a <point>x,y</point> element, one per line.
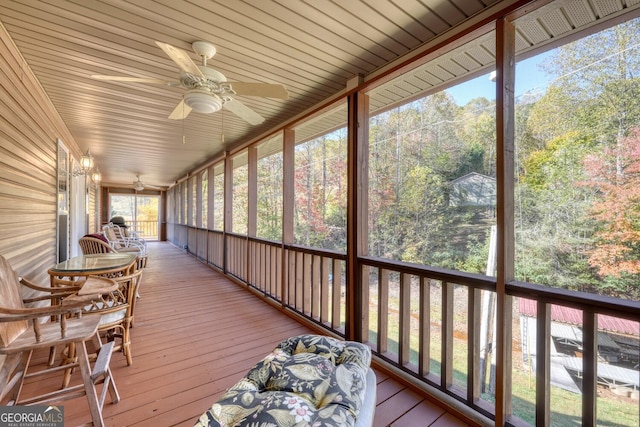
<point>184,202</point>
<point>240,193</point>
<point>269,197</point>
<point>321,180</point>
<point>432,186</point>
<point>204,179</point>
<point>218,196</point>
<point>139,212</point>
<point>432,202</point>
<point>193,201</point>
<point>576,219</point>
<point>577,152</point>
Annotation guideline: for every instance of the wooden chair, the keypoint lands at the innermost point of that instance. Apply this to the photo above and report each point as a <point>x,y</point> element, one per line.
<point>22,332</point>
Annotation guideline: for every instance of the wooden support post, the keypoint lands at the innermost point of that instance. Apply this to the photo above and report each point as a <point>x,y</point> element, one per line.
<point>228,210</point>
<point>505,133</point>
<point>589,368</point>
<point>543,364</point>
<point>288,182</point>
<point>357,243</point>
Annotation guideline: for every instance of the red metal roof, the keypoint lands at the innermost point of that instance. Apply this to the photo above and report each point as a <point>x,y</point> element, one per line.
<point>573,316</point>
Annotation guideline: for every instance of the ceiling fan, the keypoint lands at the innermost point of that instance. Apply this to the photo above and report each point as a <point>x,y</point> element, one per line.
<point>138,185</point>
<point>207,90</point>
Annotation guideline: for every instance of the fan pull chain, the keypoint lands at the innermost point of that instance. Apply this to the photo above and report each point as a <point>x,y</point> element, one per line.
<point>184,138</point>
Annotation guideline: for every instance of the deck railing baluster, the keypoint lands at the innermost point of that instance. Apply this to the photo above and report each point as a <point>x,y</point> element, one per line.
<point>589,368</point>
<point>315,287</point>
<point>336,294</point>
<point>446,379</point>
<point>324,291</point>
<point>543,359</point>
<point>383,311</point>
<point>404,344</point>
<point>474,307</point>
<point>424,333</point>
<point>366,303</point>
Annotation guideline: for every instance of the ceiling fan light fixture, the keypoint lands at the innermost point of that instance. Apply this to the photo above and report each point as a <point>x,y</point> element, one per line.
<point>202,101</point>
<point>137,184</point>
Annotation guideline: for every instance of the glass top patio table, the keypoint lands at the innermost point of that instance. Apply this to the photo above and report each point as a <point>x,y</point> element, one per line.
<point>93,264</point>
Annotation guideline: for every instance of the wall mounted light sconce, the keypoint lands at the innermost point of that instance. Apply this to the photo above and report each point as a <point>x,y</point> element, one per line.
<point>86,161</point>
<point>96,176</point>
<point>86,166</point>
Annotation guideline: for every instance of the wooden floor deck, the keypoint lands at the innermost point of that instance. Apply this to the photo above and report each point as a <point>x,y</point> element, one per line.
<point>196,333</point>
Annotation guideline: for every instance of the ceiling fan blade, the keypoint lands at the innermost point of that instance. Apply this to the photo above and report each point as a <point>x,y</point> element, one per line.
<point>244,112</point>
<point>181,58</point>
<point>155,187</point>
<point>267,90</point>
<point>181,111</point>
<point>130,79</point>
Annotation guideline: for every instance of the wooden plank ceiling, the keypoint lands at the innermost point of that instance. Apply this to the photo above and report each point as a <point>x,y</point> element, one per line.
<point>312,47</point>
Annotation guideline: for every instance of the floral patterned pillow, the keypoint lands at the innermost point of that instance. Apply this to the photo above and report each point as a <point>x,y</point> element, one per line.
<point>308,380</point>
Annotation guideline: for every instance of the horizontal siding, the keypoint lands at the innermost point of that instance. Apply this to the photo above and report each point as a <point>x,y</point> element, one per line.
<point>27,168</point>
<point>29,130</point>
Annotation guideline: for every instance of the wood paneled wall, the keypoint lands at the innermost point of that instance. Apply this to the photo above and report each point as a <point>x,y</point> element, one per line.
<point>29,130</point>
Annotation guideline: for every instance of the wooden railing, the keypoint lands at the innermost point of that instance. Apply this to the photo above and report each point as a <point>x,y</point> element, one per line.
<point>589,364</point>
<point>438,327</point>
<point>147,229</point>
<point>237,256</point>
<point>215,244</point>
<point>435,326</point>
<point>265,267</point>
<point>315,285</point>
<point>415,317</point>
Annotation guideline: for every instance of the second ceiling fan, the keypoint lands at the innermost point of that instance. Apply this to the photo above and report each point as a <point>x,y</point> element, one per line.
<point>138,185</point>
<point>207,90</point>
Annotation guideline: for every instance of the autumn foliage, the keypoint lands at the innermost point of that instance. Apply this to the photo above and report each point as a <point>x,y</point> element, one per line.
<point>615,174</point>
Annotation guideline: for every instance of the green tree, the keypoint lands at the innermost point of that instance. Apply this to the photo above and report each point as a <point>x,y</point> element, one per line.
<point>320,192</point>
<point>269,197</point>
<point>240,198</point>
<point>554,233</point>
<point>549,118</point>
<point>478,130</point>
<point>415,151</point>
<point>595,87</point>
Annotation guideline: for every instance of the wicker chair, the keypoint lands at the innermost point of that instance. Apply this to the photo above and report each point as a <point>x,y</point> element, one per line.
<point>94,245</point>
<point>116,311</point>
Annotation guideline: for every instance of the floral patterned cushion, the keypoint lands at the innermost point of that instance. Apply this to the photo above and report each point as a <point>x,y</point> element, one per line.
<point>308,380</point>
